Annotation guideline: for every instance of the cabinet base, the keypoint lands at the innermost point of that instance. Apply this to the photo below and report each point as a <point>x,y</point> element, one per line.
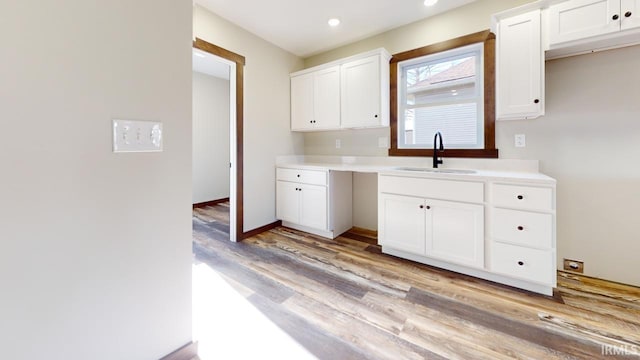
<point>482,274</point>
<point>324,233</point>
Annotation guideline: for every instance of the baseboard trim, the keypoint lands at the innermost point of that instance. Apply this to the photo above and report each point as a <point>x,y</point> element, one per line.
<point>210,203</point>
<point>187,352</point>
<point>261,229</point>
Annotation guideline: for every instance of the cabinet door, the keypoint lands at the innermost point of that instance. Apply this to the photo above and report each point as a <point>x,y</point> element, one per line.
<point>326,97</point>
<point>302,102</point>
<point>401,223</point>
<point>520,67</point>
<point>360,87</point>
<point>630,14</point>
<point>579,19</point>
<point>287,196</point>
<point>455,232</point>
<point>313,206</point>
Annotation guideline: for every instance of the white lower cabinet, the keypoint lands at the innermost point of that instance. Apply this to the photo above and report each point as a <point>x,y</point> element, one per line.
<point>451,231</point>
<point>443,223</point>
<point>402,223</point>
<point>455,232</point>
<point>524,263</point>
<point>302,204</point>
<point>523,241</point>
<point>315,201</point>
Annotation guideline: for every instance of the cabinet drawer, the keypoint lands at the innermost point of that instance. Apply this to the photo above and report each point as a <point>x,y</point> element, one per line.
<point>313,177</point>
<point>524,197</point>
<point>523,228</point>
<point>432,188</point>
<point>524,263</point>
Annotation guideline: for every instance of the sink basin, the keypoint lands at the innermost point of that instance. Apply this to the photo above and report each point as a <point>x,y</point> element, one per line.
<point>443,171</point>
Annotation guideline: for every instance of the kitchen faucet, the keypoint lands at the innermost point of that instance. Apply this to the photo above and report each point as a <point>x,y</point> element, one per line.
<point>437,161</point>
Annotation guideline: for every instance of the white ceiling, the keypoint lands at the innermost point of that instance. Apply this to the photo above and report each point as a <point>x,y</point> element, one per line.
<point>206,63</point>
<point>300,26</point>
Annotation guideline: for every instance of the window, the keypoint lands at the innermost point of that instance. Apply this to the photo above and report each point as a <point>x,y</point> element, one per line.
<point>446,87</point>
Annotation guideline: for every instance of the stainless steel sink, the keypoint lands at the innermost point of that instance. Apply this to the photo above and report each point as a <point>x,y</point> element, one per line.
<point>443,171</point>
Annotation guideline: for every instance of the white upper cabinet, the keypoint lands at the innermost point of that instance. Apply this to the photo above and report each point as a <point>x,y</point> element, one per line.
<point>582,19</point>
<point>365,92</point>
<point>630,14</point>
<point>347,93</point>
<point>579,19</point>
<point>315,100</point>
<point>519,67</point>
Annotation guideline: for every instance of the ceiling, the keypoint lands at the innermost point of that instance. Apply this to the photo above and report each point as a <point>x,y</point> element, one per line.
<point>206,63</point>
<point>300,26</point>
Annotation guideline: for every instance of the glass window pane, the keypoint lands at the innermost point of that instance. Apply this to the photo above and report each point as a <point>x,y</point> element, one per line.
<point>450,78</point>
<point>456,122</point>
<point>442,92</point>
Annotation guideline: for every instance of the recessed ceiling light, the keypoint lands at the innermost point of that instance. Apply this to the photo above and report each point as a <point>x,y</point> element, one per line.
<point>334,22</point>
<point>430,2</point>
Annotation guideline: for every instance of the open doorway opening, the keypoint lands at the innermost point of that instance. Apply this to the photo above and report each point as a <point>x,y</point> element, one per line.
<point>218,81</point>
<point>212,121</point>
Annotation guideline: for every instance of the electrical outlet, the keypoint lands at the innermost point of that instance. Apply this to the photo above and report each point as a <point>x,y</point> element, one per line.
<point>573,266</point>
<point>338,144</point>
<point>520,140</point>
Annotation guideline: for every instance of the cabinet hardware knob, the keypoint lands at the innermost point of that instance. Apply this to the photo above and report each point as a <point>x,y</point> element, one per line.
<point>421,206</point>
<point>520,263</point>
<point>536,101</point>
<point>520,228</point>
<point>627,14</point>
<point>376,115</point>
<point>615,17</point>
<point>520,197</point>
<point>298,175</point>
<point>428,207</point>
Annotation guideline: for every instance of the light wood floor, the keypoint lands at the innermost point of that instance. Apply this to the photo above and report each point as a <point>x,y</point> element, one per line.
<point>344,299</point>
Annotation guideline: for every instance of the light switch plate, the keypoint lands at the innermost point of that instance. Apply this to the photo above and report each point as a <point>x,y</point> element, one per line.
<point>137,136</point>
<point>520,140</point>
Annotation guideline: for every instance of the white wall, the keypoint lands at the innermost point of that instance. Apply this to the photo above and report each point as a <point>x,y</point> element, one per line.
<point>266,110</point>
<point>588,139</point>
<point>95,247</point>
<point>210,138</point>
<point>365,200</point>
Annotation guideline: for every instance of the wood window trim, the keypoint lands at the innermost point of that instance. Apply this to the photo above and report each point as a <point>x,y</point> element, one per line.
<point>489,151</point>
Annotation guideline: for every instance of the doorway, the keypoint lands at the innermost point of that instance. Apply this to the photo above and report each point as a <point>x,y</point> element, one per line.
<point>218,63</point>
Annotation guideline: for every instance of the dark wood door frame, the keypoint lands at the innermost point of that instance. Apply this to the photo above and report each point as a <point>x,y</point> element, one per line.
<point>240,62</point>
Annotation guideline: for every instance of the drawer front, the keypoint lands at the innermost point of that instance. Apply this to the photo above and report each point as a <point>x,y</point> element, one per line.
<point>524,263</point>
<point>524,197</point>
<point>466,191</point>
<point>523,228</point>
<point>313,177</point>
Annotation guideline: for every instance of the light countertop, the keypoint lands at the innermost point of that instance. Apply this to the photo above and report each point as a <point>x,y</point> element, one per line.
<point>386,169</point>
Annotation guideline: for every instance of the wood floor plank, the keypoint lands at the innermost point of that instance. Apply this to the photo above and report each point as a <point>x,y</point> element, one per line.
<point>425,333</point>
<point>275,291</point>
<point>375,342</point>
<point>322,344</point>
<point>344,299</point>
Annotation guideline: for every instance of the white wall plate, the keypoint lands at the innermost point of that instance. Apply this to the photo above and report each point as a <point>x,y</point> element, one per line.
<point>137,136</point>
